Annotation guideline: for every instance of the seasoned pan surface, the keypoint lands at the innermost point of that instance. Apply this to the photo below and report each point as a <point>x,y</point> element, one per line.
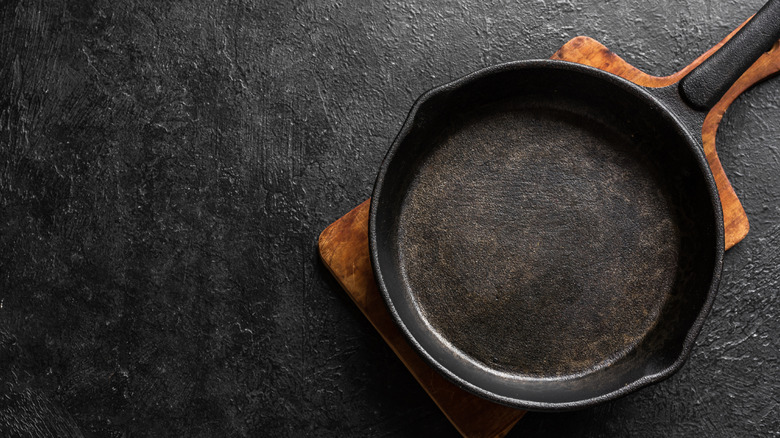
<point>544,233</point>
<point>546,216</point>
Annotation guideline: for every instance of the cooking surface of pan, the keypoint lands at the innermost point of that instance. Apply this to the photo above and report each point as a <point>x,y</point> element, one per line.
<point>541,216</point>
<point>545,233</point>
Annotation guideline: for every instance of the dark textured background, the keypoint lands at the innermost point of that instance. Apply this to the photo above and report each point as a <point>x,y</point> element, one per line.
<point>166,167</point>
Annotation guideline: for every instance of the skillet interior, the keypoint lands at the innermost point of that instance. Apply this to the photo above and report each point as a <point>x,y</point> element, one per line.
<point>545,236</point>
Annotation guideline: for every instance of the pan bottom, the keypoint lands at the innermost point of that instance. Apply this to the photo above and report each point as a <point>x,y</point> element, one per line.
<point>538,241</point>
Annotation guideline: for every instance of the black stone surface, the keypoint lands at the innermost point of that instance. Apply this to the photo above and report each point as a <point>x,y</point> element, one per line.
<point>166,167</point>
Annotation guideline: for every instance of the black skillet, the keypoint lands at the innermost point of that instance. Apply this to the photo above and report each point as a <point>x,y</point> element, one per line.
<point>548,235</point>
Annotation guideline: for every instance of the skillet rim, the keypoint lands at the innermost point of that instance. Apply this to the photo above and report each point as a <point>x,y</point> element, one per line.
<point>655,101</point>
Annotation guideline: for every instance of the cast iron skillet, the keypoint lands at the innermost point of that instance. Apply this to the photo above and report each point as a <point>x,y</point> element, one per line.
<point>548,235</point>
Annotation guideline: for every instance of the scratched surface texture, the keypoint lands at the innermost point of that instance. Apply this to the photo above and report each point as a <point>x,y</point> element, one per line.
<point>166,168</point>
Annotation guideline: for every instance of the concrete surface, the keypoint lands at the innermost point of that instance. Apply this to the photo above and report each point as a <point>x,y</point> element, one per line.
<point>166,168</point>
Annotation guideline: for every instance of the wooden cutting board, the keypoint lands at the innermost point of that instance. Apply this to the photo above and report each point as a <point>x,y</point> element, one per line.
<point>343,245</point>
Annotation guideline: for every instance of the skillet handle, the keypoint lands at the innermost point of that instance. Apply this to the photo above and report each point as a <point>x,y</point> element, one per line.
<point>707,83</point>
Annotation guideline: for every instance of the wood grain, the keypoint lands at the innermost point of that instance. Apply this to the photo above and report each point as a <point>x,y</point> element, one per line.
<point>343,245</point>
<point>344,249</point>
<point>734,217</point>
<point>585,50</point>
